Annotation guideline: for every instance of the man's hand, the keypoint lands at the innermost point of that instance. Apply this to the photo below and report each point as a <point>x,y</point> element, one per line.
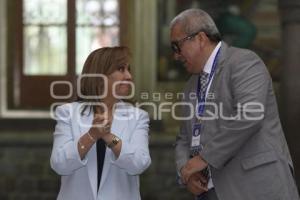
<point>196,164</point>
<point>197,184</point>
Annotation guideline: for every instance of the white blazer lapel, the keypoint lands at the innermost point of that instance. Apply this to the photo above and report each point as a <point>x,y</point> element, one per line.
<point>85,122</point>
<point>118,127</point>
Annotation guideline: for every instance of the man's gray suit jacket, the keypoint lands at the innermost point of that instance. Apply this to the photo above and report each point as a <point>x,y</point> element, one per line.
<point>242,137</point>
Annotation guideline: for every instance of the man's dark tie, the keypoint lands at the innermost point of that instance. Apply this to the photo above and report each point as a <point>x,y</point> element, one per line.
<point>204,172</point>
<point>203,82</point>
<point>101,148</point>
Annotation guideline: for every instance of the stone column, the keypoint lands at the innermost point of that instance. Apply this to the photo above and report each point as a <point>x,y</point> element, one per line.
<point>3,76</point>
<point>290,77</point>
<point>139,33</point>
<point>145,44</point>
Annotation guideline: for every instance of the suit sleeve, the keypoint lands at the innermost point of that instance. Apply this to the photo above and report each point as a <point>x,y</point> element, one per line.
<point>65,158</point>
<point>182,144</point>
<point>182,147</point>
<point>249,84</point>
<point>134,157</point>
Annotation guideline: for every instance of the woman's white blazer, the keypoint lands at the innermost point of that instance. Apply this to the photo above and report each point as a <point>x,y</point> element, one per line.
<point>120,177</point>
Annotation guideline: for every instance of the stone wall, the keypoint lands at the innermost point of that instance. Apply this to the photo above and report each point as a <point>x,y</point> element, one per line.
<point>25,173</point>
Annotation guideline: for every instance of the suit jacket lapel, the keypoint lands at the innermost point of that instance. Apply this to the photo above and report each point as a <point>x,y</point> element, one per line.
<point>193,99</point>
<point>85,122</point>
<point>118,128</point>
<point>220,66</point>
<point>194,82</point>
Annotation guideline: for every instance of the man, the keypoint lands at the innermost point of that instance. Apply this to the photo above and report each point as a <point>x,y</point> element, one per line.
<point>234,147</point>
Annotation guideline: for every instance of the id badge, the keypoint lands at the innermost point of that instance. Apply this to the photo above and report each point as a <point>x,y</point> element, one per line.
<point>196,136</point>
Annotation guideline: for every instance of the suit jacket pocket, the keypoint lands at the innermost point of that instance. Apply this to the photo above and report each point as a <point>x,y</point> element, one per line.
<point>260,176</point>
<point>258,160</point>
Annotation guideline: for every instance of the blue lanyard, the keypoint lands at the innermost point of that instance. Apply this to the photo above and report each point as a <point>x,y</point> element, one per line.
<point>202,98</point>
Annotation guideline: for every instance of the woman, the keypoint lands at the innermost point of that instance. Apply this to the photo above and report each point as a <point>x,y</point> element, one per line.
<point>100,142</point>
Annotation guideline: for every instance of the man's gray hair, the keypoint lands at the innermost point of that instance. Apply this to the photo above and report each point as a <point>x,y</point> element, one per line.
<point>194,20</point>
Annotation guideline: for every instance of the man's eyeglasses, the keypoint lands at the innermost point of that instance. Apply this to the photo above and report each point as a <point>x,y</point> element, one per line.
<point>176,44</point>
